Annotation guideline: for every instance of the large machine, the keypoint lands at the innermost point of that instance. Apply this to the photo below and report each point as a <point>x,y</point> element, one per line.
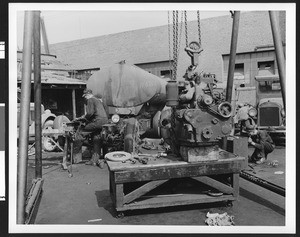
<point>189,113</point>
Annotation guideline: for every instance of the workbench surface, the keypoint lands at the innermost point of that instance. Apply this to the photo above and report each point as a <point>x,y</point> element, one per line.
<point>167,161</point>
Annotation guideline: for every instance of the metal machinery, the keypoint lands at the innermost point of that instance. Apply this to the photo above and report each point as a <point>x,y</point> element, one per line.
<point>134,98</point>
<point>196,117</point>
<point>200,116</point>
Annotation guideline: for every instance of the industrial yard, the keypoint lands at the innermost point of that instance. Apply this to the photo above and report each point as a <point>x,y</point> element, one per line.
<point>125,136</point>
<point>84,199</point>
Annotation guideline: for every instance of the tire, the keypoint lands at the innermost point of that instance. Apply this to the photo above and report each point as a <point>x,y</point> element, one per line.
<point>47,143</point>
<point>60,122</point>
<point>48,124</point>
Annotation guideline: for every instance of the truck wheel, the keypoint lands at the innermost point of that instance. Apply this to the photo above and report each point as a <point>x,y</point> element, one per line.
<point>47,142</point>
<point>48,124</point>
<point>60,123</point>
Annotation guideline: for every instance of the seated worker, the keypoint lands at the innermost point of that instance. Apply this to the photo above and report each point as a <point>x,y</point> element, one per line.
<point>263,144</point>
<point>96,117</point>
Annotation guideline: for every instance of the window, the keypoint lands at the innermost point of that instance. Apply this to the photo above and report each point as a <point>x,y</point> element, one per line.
<point>166,73</point>
<point>266,68</point>
<point>269,86</point>
<point>239,71</point>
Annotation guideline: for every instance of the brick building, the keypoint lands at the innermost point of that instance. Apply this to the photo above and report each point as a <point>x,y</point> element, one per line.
<point>149,48</point>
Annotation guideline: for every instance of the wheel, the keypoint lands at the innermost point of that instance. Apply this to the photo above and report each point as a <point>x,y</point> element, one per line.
<point>120,215</point>
<point>48,125</point>
<point>60,122</point>
<point>47,143</point>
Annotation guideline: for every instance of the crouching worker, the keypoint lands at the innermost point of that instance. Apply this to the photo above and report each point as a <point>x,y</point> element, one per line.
<point>263,144</point>
<point>95,118</point>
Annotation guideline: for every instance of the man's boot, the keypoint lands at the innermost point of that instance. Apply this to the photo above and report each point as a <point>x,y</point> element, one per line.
<point>94,160</point>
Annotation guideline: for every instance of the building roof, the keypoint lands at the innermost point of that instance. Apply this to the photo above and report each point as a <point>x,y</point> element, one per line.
<point>152,45</point>
<point>53,71</point>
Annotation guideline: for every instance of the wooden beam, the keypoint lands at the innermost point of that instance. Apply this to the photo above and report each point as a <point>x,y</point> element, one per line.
<point>189,170</point>
<point>235,184</point>
<point>215,184</point>
<point>143,190</point>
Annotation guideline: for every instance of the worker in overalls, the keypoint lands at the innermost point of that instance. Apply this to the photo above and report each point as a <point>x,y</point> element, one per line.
<point>95,118</point>
<point>263,144</point>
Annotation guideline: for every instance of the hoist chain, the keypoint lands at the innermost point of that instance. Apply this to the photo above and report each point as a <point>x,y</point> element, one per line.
<point>169,38</point>
<point>186,30</point>
<point>179,42</point>
<point>199,28</point>
<point>175,43</point>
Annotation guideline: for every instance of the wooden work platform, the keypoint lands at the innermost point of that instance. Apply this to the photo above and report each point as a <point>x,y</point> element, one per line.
<point>142,179</point>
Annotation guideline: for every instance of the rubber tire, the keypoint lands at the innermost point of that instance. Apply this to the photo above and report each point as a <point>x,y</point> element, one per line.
<point>45,144</point>
<point>45,140</point>
<point>60,122</point>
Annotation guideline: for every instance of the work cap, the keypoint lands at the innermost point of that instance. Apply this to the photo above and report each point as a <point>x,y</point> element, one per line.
<point>250,128</point>
<point>86,92</point>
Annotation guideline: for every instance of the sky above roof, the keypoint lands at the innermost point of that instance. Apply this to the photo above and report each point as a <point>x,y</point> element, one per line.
<point>62,26</point>
<point>72,21</point>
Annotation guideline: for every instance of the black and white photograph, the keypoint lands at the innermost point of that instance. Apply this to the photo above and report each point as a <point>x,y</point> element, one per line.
<point>152,118</point>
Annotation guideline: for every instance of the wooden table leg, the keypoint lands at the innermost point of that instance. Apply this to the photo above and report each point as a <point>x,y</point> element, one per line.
<point>119,195</point>
<point>235,184</point>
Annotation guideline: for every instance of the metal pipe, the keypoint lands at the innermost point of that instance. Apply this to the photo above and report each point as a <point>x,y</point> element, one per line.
<point>279,51</point>
<point>233,46</point>
<point>74,103</point>
<point>45,39</point>
<point>24,118</point>
<point>263,183</point>
<point>34,195</point>
<point>37,94</point>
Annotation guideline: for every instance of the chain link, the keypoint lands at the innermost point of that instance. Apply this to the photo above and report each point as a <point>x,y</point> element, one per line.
<point>186,30</point>
<point>180,34</point>
<point>175,43</point>
<point>174,46</point>
<point>169,38</point>
<point>199,28</point>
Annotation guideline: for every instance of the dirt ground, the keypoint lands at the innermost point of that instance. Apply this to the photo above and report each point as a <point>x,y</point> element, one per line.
<point>84,199</point>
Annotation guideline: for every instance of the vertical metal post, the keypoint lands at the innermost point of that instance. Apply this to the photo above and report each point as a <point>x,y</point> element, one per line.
<point>37,94</point>
<point>231,66</point>
<point>74,103</point>
<point>24,118</point>
<point>45,39</point>
<point>279,51</point>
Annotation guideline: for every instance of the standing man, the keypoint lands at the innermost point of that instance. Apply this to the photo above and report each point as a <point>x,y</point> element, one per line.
<point>263,144</point>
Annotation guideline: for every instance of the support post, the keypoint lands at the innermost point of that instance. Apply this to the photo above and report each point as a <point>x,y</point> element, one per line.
<point>37,94</point>
<point>74,103</point>
<point>45,39</point>
<point>279,51</point>
<point>24,118</point>
<point>233,46</point>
